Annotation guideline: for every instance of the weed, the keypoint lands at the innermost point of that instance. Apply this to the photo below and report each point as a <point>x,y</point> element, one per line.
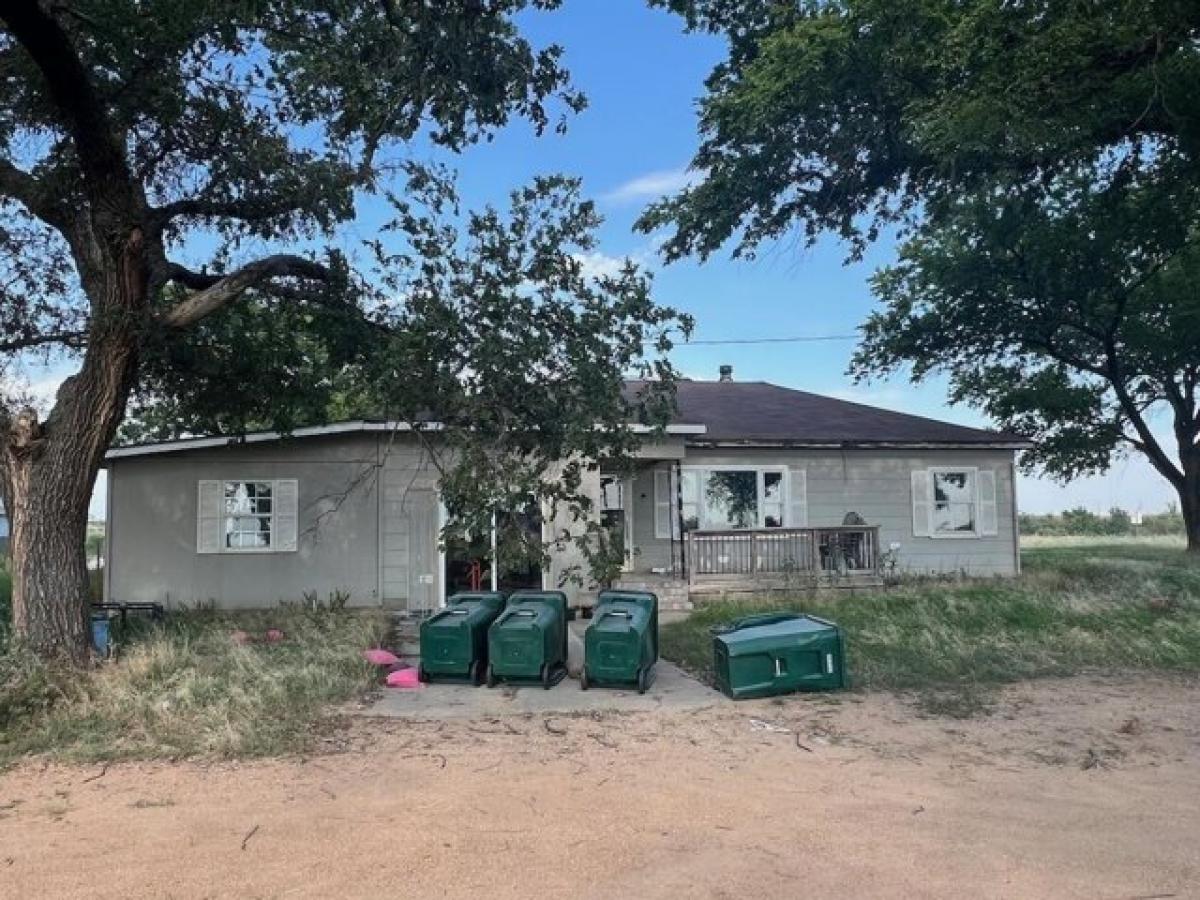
<point>185,688</point>
<point>1075,608</point>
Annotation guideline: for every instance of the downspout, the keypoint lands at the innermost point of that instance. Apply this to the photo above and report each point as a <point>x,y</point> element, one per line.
<point>1016,518</point>
<point>683,562</point>
<point>379,528</point>
<point>108,529</point>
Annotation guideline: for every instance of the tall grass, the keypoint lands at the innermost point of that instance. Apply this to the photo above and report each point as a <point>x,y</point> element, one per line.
<point>186,688</point>
<point>1075,609</point>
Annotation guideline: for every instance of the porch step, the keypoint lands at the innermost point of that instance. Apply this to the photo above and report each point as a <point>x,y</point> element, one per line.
<point>672,592</point>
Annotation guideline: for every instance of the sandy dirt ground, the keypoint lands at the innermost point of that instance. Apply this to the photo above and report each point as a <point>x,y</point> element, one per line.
<point>1076,788</point>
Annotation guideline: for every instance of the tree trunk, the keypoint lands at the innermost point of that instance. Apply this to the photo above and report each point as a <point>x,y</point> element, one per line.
<point>50,591</point>
<point>1189,505</point>
<point>49,470</point>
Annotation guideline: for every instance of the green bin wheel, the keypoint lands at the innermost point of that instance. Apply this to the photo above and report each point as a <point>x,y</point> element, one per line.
<point>643,681</point>
<point>491,677</point>
<point>545,676</point>
<point>583,679</point>
<point>422,675</point>
<point>475,673</point>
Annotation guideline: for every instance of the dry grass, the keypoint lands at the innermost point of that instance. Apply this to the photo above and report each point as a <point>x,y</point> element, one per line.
<point>186,688</point>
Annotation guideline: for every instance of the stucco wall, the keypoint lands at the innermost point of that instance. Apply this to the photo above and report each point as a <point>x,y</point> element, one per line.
<point>877,485</point>
<point>152,525</point>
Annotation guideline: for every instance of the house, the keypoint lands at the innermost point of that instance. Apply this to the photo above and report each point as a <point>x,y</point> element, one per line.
<point>751,486</point>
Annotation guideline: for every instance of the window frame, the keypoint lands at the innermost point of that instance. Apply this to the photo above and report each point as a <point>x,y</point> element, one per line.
<point>975,532</point>
<point>272,546</point>
<point>760,472</point>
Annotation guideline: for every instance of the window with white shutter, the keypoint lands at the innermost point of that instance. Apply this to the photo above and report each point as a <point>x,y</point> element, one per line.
<point>988,518</point>
<point>247,516</point>
<point>921,502</point>
<point>797,498</point>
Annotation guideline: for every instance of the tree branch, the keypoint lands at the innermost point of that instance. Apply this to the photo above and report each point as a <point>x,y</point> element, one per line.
<point>66,338</point>
<point>225,289</point>
<point>19,185</point>
<point>244,210</point>
<point>98,149</point>
<point>198,281</point>
<point>1153,450</point>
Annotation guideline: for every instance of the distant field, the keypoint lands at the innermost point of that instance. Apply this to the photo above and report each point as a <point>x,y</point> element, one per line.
<point>1037,541</point>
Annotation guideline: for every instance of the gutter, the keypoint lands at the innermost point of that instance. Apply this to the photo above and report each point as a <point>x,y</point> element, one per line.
<point>862,445</point>
<point>354,427</point>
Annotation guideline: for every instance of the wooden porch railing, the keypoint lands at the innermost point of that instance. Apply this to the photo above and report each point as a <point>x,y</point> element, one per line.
<point>779,552</point>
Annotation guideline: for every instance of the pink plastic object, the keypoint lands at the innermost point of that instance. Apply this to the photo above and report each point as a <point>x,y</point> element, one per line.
<point>240,637</point>
<point>274,636</point>
<point>380,657</point>
<point>404,678</point>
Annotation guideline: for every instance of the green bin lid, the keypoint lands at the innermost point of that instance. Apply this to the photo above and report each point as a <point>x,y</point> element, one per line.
<point>766,625</point>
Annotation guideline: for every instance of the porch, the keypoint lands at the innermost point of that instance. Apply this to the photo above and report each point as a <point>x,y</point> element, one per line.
<point>701,529</point>
<point>844,556</point>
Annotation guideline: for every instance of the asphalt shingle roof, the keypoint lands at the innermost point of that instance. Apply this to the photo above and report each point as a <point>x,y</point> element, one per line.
<point>749,411</point>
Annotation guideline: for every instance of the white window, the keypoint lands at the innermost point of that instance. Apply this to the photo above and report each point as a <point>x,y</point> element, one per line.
<point>954,502</point>
<point>723,498</point>
<point>246,516</point>
<point>954,509</point>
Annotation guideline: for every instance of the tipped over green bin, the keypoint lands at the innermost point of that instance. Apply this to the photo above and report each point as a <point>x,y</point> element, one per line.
<point>621,644</point>
<point>454,644</point>
<point>528,642</point>
<point>778,653</point>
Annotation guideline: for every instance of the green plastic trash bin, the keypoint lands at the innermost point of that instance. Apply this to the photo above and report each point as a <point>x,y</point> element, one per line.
<point>620,646</point>
<point>777,653</point>
<point>454,643</point>
<point>528,642</point>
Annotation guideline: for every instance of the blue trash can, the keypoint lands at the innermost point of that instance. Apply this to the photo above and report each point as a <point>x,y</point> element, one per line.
<point>100,634</point>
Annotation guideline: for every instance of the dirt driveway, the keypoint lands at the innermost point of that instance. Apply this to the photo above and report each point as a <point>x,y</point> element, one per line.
<point>1079,788</point>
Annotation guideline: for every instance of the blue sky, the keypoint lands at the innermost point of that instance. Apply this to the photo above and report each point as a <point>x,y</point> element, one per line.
<point>642,75</point>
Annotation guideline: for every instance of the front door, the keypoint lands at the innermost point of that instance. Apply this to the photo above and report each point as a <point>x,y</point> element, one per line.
<point>408,546</point>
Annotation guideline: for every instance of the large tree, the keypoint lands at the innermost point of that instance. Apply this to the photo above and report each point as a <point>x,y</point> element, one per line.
<point>173,176</point>
<point>1041,163</point>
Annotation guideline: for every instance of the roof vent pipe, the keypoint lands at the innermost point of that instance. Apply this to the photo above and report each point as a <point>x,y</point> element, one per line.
<point>727,373</point>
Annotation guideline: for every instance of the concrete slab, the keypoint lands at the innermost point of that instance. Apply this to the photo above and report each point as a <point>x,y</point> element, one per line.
<point>672,691</point>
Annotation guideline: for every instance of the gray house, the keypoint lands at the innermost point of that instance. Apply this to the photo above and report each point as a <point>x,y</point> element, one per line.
<point>752,487</point>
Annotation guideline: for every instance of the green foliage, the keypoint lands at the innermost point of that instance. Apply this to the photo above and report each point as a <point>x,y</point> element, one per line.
<point>1042,163</point>
<point>1083,608</point>
<point>185,688</point>
<point>173,150</point>
<point>850,115</point>
<point>1081,522</point>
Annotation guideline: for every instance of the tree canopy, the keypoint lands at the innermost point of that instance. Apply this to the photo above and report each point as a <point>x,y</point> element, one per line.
<point>178,182</point>
<point>1039,161</point>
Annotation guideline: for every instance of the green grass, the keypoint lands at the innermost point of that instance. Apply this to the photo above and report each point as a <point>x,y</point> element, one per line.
<point>1076,608</point>
<point>185,688</point>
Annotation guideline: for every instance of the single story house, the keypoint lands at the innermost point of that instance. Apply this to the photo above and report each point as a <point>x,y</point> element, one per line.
<point>752,486</point>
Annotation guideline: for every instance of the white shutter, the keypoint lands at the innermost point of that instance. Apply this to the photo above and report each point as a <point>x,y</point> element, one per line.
<point>921,504</point>
<point>988,520</point>
<point>210,501</point>
<point>797,498</point>
<point>286,494</point>
<point>662,504</point>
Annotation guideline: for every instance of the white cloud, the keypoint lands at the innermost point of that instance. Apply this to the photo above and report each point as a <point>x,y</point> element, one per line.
<point>651,186</point>
<point>595,264</point>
